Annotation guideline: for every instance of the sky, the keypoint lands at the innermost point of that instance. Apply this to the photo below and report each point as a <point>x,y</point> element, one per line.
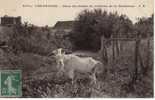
<point>42,16</point>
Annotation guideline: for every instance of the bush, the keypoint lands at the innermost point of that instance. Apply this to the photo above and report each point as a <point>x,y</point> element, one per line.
<point>30,39</point>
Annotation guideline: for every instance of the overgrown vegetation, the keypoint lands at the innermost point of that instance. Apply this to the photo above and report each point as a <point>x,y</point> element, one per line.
<point>90,25</point>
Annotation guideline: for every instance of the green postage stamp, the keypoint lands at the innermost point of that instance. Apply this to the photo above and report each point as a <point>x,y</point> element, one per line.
<point>10,83</point>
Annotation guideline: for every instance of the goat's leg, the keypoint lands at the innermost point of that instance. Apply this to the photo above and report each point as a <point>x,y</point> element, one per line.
<point>59,69</point>
<point>58,65</point>
<point>71,76</point>
<point>62,66</point>
<point>93,78</point>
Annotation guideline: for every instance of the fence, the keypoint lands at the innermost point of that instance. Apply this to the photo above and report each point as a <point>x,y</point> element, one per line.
<point>114,48</point>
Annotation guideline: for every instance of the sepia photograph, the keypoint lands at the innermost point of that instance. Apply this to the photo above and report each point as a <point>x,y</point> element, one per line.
<point>76,49</point>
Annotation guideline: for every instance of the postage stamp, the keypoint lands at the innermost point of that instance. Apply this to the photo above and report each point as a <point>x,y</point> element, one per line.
<point>10,83</point>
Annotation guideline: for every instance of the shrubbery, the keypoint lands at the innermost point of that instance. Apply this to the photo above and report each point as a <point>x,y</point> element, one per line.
<point>90,25</point>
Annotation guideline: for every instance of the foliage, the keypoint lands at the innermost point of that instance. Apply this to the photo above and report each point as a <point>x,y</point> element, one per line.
<point>144,26</point>
<point>29,39</point>
<point>90,25</point>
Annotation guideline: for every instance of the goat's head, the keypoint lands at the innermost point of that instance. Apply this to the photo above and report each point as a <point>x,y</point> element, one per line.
<point>59,51</point>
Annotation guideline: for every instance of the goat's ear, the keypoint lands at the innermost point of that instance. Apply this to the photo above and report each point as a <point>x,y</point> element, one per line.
<point>55,51</point>
<point>63,51</point>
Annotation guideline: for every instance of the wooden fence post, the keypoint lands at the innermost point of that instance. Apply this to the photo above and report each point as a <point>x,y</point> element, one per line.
<point>148,53</point>
<point>103,51</point>
<point>135,73</point>
<point>146,67</point>
<point>113,50</point>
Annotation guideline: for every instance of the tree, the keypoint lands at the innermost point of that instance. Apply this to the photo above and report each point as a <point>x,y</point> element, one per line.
<point>144,26</point>
<point>90,25</point>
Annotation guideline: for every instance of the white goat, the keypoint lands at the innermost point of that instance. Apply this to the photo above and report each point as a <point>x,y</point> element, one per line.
<point>59,56</point>
<point>70,63</point>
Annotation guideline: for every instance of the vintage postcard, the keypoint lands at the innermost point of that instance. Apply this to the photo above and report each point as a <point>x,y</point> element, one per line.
<point>76,48</point>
